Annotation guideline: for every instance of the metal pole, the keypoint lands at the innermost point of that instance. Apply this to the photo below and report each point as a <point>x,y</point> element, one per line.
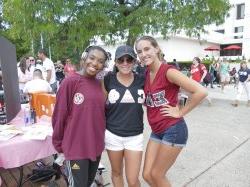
<point>49,52</point>
<point>32,46</point>
<point>41,40</point>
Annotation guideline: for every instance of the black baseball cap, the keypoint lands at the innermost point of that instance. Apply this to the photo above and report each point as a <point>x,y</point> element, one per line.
<point>124,50</point>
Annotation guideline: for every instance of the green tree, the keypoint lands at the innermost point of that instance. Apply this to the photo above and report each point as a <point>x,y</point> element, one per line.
<point>2,27</point>
<point>1,23</point>
<point>69,26</point>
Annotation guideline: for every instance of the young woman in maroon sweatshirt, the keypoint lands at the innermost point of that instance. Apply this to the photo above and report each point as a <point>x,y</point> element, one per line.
<point>169,130</point>
<point>79,119</point>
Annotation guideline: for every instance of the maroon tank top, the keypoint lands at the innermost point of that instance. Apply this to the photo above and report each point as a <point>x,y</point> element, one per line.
<point>160,92</point>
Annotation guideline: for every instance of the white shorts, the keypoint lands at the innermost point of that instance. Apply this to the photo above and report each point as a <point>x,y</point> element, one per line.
<point>224,78</point>
<point>118,143</point>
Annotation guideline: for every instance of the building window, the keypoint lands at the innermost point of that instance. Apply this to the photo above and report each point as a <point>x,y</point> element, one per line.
<point>238,29</point>
<point>238,37</point>
<point>220,31</point>
<point>240,11</point>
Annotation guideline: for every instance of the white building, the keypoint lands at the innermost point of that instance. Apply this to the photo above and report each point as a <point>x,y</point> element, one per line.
<point>236,28</point>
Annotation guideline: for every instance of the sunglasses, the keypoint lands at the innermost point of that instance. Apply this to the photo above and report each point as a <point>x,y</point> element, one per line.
<point>129,60</point>
<point>32,60</point>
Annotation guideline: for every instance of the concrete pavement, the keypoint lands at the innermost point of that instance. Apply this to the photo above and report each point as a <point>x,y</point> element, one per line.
<point>218,149</point>
<point>229,93</point>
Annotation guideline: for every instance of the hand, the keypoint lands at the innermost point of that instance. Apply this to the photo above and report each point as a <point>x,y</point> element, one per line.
<point>168,110</point>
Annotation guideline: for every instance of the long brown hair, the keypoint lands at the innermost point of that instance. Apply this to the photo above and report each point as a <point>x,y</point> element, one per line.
<point>23,65</point>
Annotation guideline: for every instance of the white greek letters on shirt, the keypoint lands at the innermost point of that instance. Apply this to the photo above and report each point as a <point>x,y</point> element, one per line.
<point>243,73</point>
<point>127,97</point>
<point>156,99</point>
<point>141,95</point>
<point>113,96</point>
<point>78,98</point>
<point>149,100</point>
<point>194,70</point>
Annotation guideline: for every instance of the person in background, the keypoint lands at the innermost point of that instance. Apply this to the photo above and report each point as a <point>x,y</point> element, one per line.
<point>69,68</point>
<point>24,75</point>
<point>23,72</point>
<point>124,117</point>
<point>244,83</point>
<point>224,73</point>
<point>140,68</point>
<point>169,130</point>
<point>212,73</point>
<point>32,64</point>
<point>59,71</point>
<point>38,84</point>
<point>175,63</point>
<point>49,68</point>
<point>233,76</point>
<point>198,72</point>
<point>79,119</point>
<point>216,72</point>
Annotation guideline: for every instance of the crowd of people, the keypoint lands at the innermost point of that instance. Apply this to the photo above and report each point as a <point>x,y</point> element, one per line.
<point>43,71</point>
<point>220,73</point>
<point>92,115</point>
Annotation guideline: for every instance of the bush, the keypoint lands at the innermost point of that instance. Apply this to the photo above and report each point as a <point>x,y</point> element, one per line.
<point>207,61</point>
<point>238,60</point>
<point>185,64</point>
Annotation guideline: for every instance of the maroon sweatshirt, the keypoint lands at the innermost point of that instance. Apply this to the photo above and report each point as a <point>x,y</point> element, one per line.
<point>79,120</point>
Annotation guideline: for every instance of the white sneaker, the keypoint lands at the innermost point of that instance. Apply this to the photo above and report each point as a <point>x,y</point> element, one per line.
<point>101,167</point>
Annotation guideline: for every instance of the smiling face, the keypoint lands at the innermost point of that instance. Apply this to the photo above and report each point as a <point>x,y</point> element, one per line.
<point>94,62</point>
<point>125,64</point>
<point>146,52</point>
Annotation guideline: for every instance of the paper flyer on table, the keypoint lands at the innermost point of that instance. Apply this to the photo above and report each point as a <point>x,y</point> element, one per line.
<point>6,136</point>
<point>5,127</point>
<point>37,132</point>
<point>8,131</point>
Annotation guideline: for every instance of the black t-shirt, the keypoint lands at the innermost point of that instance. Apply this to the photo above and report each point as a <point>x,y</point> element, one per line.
<point>124,113</point>
<point>141,70</point>
<point>243,74</point>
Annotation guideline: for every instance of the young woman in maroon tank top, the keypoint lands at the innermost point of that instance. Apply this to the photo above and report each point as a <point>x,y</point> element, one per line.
<point>169,131</point>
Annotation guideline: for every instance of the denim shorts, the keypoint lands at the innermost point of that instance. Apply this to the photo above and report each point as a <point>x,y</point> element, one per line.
<point>175,135</point>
